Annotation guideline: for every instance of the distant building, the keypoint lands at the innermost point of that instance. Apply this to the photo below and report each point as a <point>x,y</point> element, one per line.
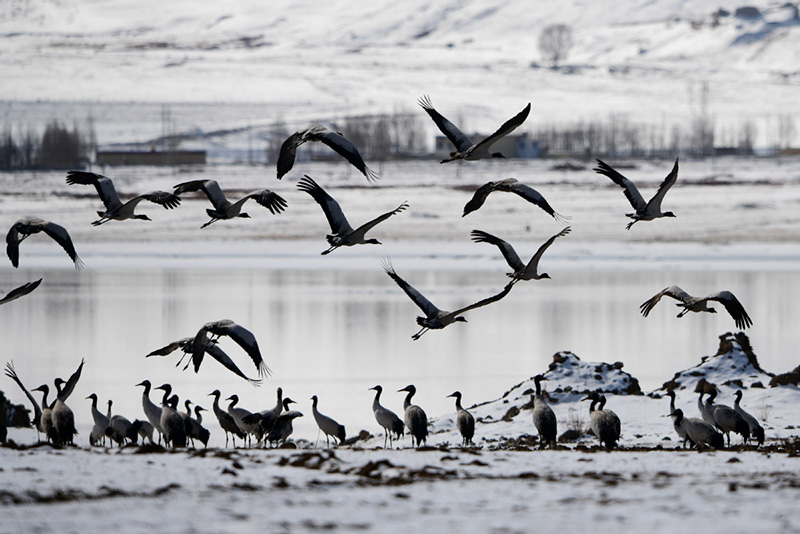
<point>137,157</point>
<point>511,146</point>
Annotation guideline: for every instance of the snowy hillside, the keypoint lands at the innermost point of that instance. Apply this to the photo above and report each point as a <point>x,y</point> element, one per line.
<point>479,60</point>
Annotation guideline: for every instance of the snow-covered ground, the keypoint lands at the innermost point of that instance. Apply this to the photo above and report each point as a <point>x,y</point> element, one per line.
<point>505,484</point>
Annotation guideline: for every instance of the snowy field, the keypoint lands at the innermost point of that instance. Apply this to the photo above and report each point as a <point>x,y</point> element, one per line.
<point>241,68</point>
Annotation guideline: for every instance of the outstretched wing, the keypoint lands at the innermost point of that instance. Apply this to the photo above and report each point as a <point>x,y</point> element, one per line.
<point>333,212</point>
<point>484,302</point>
<point>169,349</point>
<point>511,256</point>
<point>199,347</point>
<point>12,374</point>
<point>655,202</point>
<point>456,136</point>
<point>270,200</point>
<point>209,187</point>
<point>671,291</point>
<point>509,126</point>
<point>533,264</point>
<point>162,198</point>
<point>479,197</point>
<point>633,195</point>
<point>70,384</point>
<point>344,148</point>
<point>245,339</point>
<point>12,245</point>
<point>104,186</point>
<point>531,195</point>
<point>366,227</point>
<point>61,236</point>
<point>425,305</point>
<point>288,152</point>
<point>221,356</point>
<point>734,307</point>
<point>20,291</point>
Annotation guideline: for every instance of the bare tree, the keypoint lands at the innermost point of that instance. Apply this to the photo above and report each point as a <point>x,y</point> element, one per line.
<point>555,42</point>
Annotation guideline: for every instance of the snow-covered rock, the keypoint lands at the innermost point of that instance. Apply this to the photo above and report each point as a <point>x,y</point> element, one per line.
<point>735,364</point>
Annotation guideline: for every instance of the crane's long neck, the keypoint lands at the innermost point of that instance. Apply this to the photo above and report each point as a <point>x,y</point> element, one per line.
<point>407,401</point>
<point>45,391</point>
<point>279,406</point>
<point>458,403</point>
<point>376,402</point>
<point>165,398</point>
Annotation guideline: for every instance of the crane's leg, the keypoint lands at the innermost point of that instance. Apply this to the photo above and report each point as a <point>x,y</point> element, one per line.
<point>635,220</point>
<point>325,252</point>
<point>419,334</point>
<point>213,220</point>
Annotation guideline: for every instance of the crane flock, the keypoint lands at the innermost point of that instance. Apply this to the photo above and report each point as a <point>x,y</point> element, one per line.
<point>270,426</point>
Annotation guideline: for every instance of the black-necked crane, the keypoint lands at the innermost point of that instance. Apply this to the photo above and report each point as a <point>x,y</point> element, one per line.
<point>512,185</point>
<point>116,210</point>
<point>605,424</point>
<point>522,271</point>
<point>756,430</point>
<point>226,422</point>
<point>239,414</point>
<point>334,140</point>
<point>327,425</point>
<point>24,228</point>
<point>37,410</point>
<point>46,419</point>
<point>186,345</point>
<point>20,291</point>
<point>464,421</point>
<point>223,208</point>
<point>151,410</point>
<point>194,427</point>
<point>726,419</point>
<point>241,335</point>
<point>700,304</point>
<point>343,235</point>
<point>264,419</point>
<point>171,422</point>
<point>63,419</point>
<point>544,419</point>
<point>415,418</point>
<point>466,149</point>
<point>679,428</point>
<point>645,211</point>
<point>120,429</point>
<point>705,410</point>
<point>101,423</point>
<point>434,317</point>
<point>697,431</point>
<point>387,419</point>
<point>201,432</point>
<point>283,428</point>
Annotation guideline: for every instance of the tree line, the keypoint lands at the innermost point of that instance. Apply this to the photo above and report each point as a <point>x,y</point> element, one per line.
<point>58,148</point>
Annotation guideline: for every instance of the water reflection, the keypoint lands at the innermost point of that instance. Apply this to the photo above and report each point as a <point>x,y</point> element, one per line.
<point>337,333</point>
